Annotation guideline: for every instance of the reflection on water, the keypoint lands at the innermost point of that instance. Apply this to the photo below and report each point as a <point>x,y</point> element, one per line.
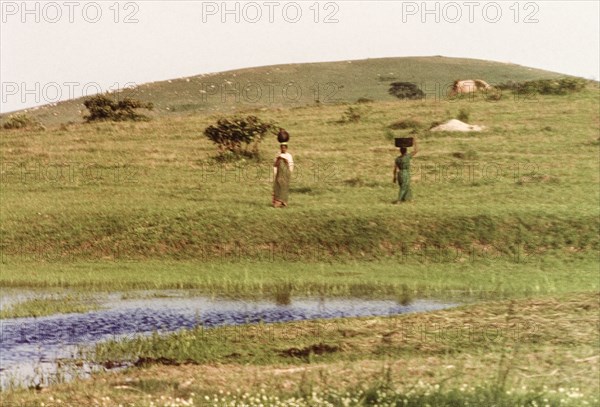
<point>30,347</point>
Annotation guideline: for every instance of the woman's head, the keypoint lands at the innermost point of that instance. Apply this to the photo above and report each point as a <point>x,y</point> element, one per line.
<point>403,150</point>
<point>283,147</point>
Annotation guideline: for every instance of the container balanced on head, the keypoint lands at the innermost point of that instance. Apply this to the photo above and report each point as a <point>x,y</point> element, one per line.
<point>282,171</point>
<point>402,168</point>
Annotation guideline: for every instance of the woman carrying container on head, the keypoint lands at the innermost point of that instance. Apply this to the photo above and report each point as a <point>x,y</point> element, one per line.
<point>282,171</point>
<point>402,166</point>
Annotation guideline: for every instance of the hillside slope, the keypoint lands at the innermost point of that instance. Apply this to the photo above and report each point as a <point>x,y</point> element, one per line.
<point>152,190</point>
<point>304,84</point>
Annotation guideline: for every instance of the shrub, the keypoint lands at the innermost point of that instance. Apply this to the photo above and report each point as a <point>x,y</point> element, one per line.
<point>560,86</point>
<point>405,124</point>
<point>19,121</point>
<point>104,108</point>
<point>493,95</point>
<point>572,84</point>
<point>468,155</point>
<point>364,100</point>
<point>509,85</point>
<point>405,90</point>
<point>435,123</point>
<point>389,135</point>
<point>463,115</point>
<point>238,136</point>
<point>385,78</point>
<point>353,114</point>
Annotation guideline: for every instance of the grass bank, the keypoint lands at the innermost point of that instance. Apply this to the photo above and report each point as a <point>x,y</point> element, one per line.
<point>39,307</point>
<point>425,275</point>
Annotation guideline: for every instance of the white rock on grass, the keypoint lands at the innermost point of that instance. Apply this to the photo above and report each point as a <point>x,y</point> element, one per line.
<point>457,125</point>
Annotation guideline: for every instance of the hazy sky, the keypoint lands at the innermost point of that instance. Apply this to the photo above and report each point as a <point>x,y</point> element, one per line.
<point>56,50</point>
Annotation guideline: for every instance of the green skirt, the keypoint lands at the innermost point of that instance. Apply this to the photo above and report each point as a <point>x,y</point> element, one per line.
<point>281,185</point>
<point>404,184</point>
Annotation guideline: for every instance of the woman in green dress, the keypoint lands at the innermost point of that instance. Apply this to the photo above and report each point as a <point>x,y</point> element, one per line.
<point>402,166</point>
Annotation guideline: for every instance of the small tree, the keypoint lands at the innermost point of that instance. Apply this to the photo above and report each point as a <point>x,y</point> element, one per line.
<point>463,115</point>
<point>406,90</point>
<point>104,108</point>
<point>238,136</point>
<point>353,114</point>
<point>20,121</point>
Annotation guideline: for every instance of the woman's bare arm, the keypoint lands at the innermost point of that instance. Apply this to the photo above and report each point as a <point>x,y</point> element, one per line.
<point>416,149</point>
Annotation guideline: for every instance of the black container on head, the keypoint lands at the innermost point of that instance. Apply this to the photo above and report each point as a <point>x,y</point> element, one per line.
<point>404,141</point>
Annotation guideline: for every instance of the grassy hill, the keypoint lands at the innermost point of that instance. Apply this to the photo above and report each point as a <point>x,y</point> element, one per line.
<point>303,84</point>
<point>152,192</point>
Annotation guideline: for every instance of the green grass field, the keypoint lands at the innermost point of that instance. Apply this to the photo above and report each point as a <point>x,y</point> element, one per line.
<point>508,214</point>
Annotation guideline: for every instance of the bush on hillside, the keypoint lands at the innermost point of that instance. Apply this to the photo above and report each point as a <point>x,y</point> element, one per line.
<point>104,108</point>
<point>405,124</point>
<point>363,100</point>
<point>238,136</point>
<point>19,121</point>
<point>463,115</point>
<point>354,114</point>
<point>560,86</point>
<point>405,90</point>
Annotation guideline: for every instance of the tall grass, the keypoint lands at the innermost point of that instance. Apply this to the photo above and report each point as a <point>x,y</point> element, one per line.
<point>38,307</point>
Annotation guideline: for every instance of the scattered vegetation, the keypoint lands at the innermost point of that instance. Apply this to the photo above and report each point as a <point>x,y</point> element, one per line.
<point>406,90</point>
<point>238,136</point>
<point>385,78</point>
<point>354,114</point>
<point>405,124</point>
<point>365,78</point>
<point>21,121</point>
<point>380,393</point>
<point>102,107</point>
<point>493,95</point>
<point>463,115</point>
<point>38,307</point>
<point>562,86</point>
<point>468,155</point>
<point>435,123</point>
<point>362,100</point>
